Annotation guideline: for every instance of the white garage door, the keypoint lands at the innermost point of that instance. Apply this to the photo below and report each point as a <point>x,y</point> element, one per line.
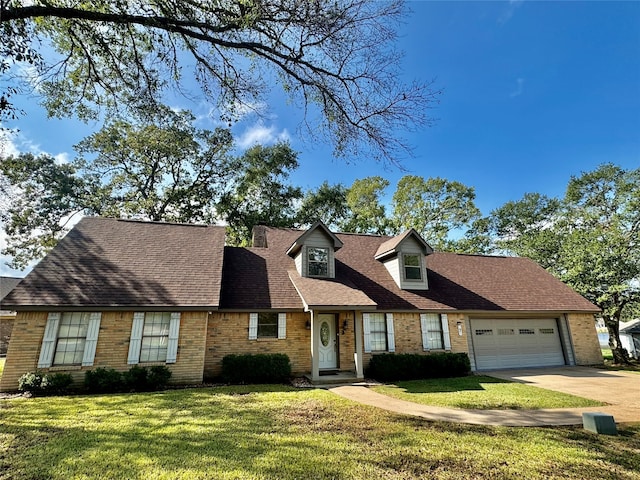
<point>516,343</point>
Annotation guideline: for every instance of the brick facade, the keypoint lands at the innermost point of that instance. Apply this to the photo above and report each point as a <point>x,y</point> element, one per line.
<point>585,339</point>
<point>111,350</point>
<point>228,333</point>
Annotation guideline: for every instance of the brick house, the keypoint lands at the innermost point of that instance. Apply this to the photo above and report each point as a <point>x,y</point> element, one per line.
<point>115,293</point>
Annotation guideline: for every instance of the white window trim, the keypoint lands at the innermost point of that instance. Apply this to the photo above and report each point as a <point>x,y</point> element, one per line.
<point>444,325</point>
<point>282,326</point>
<point>135,341</point>
<point>328,250</point>
<point>50,338</point>
<point>420,268</point>
<point>366,330</point>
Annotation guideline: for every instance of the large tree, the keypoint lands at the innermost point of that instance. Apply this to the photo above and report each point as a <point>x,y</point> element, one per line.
<point>336,59</point>
<point>435,207</point>
<point>366,211</point>
<point>589,239</point>
<point>260,192</point>
<point>327,203</point>
<point>159,167</point>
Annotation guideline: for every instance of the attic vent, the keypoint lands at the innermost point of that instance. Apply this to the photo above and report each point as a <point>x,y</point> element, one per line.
<point>259,236</point>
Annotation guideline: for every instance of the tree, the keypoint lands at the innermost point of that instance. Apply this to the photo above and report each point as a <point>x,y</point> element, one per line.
<point>435,207</point>
<point>259,193</point>
<point>337,56</point>
<point>367,213</point>
<point>327,203</point>
<point>589,239</point>
<point>158,167</point>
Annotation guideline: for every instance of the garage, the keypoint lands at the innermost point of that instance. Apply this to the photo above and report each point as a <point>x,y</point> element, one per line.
<point>516,343</point>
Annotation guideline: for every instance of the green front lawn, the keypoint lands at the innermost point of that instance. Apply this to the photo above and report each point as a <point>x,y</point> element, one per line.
<point>481,392</point>
<point>278,432</point>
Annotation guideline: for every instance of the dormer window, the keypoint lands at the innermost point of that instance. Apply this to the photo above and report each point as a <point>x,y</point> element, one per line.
<point>412,267</point>
<point>318,261</point>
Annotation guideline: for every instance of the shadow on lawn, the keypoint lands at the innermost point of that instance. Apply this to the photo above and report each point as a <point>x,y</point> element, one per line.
<point>443,385</point>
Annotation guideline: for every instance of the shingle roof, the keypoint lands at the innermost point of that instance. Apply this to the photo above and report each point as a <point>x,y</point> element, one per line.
<point>456,282</point>
<point>118,263</point>
<point>6,285</point>
<point>389,247</point>
<point>335,292</point>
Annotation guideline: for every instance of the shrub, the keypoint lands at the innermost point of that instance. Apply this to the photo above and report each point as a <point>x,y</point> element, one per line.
<point>260,368</point>
<point>394,367</point>
<point>38,383</point>
<point>103,380</point>
<point>145,379</point>
<point>158,377</point>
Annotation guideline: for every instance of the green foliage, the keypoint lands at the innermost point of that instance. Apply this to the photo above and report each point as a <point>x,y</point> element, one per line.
<point>367,213</point>
<point>136,379</point>
<point>260,192</point>
<point>391,366</point>
<point>103,380</point>
<point>44,384</point>
<point>589,239</point>
<point>260,368</point>
<point>337,59</point>
<point>327,203</point>
<point>435,207</point>
<point>146,379</point>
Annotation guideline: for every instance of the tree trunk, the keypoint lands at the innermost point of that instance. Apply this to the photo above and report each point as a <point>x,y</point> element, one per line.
<point>620,355</point>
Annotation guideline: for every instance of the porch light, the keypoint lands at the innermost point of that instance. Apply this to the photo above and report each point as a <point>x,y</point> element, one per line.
<point>307,325</point>
<point>345,324</point>
<point>459,325</point>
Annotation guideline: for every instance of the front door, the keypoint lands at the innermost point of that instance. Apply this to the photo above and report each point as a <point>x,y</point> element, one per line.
<point>328,349</point>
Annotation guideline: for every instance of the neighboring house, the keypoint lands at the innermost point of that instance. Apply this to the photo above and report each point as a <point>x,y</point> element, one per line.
<point>116,293</point>
<point>7,317</point>
<point>630,337</point>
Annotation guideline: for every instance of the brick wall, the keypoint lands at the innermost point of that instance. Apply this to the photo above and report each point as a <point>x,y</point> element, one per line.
<point>585,338</point>
<point>408,335</point>
<point>228,333</point>
<point>6,325</point>
<point>111,351</point>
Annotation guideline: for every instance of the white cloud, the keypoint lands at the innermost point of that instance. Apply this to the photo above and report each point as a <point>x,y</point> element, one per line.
<point>510,11</point>
<point>519,88</point>
<point>62,158</point>
<point>263,135</point>
<point>8,145</point>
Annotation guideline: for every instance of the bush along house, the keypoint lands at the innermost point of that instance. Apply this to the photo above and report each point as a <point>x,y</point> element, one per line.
<point>116,293</point>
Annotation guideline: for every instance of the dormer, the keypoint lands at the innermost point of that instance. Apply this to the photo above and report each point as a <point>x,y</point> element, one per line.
<point>314,252</point>
<point>404,258</point>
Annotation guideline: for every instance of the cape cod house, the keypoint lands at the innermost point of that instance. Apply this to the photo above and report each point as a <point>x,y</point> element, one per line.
<point>115,293</point>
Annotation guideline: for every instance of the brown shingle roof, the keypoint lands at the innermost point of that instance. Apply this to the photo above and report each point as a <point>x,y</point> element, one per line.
<point>456,282</point>
<point>334,292</point>
<point>117,263</point>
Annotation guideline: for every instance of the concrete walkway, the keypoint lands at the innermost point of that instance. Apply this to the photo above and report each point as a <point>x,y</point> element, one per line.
<point>621,390</point>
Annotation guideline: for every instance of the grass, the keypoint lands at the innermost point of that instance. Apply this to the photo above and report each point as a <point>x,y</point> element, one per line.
<point>634,366</point>
<point>278,432</point>
<point>481,392</point>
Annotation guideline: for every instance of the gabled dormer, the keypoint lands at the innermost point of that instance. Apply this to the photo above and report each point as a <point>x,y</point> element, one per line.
<point>314,252</point>
<point>404,258</point>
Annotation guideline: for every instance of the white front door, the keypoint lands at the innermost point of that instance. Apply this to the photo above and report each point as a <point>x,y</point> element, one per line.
<point>327,349</point>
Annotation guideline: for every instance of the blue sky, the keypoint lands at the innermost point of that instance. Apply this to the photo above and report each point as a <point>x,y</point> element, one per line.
<point>534,92</point>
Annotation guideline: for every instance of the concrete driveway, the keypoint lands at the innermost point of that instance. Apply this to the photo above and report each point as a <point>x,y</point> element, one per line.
<point>620,390</point>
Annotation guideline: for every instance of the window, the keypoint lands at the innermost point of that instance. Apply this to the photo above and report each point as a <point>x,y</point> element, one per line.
<point>483,331</point>
<point>506,331</point>
<point>72,334</point>
<point>155,337</point>
<point>432,338</point>
<point>527,331</point>
<point>318,259</point>
<point>378,333</point>
<point>546,331</point>
<point>70,338</point>
<point>267,325</point>
<point>412,268</point>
